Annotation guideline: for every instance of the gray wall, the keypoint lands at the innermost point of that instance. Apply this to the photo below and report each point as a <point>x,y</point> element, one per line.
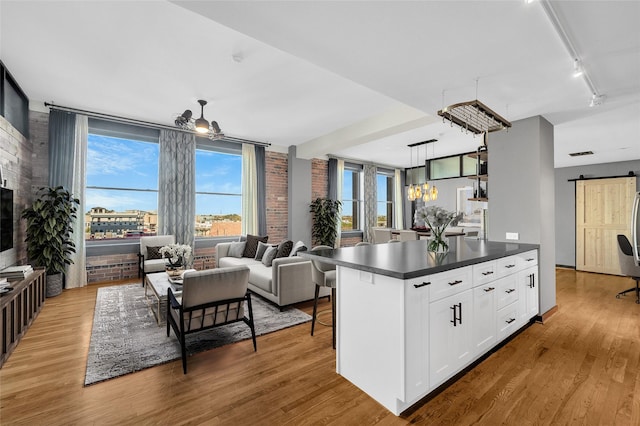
<point>521,194</point>
<point>299,182</point>
<point>565,198</point>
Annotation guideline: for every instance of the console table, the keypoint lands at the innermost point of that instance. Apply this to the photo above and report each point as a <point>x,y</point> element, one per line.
<point>18,309</point>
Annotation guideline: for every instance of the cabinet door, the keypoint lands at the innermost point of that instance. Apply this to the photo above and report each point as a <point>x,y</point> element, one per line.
<point>507,290</point>
<point>528,302</point>
<point>450,336</point>
<point>484,317</point>
<point>417,337</point>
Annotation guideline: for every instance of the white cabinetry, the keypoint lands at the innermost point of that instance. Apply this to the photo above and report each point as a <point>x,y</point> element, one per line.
<point>484,317</point>
<point>528,286</point>
<point>450,335</point>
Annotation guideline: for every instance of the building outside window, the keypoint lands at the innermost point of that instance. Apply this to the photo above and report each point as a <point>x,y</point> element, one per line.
<point>384,198</point>
<point>218,193</point>
<point>352,198</point>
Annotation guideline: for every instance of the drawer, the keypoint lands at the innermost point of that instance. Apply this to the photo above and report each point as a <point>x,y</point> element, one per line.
<point>450,282</point>
<point>506,321</point>
<point>508,265</point>
<point>526,259</point>
<point>484,272</point>
<point>507,290</point>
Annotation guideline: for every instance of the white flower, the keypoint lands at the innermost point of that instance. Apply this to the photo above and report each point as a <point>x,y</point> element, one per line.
<point>176,252</point>
<point>437,218</point>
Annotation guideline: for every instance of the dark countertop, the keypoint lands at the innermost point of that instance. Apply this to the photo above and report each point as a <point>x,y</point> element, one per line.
<point>410,259</point>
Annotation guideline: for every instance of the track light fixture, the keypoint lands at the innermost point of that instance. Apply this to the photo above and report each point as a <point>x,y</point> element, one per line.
<point>200,125</point>
<point>577,68</point>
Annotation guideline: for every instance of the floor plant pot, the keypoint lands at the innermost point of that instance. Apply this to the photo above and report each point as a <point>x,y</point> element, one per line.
<point>54,284</point>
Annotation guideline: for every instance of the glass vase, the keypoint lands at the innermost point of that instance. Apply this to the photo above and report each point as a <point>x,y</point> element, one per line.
<point>438,244</point>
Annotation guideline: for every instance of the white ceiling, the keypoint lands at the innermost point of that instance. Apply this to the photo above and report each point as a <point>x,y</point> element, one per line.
<point>359,79</point>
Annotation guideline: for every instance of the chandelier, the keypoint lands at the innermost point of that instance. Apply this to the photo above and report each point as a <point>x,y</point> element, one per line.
<point>419,190</point>
<point>201,125</point>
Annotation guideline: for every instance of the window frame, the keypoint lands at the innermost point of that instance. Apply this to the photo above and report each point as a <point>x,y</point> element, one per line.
<point>357,203</point>
<point>390,201</point>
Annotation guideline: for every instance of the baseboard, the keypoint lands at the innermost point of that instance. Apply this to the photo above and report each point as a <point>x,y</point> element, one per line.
<point>542,318</point>
<point>566,267</point>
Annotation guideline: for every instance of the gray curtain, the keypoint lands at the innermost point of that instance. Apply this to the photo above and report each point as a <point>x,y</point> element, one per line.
<point>370,201</point>
<point>67,168</point>
<point>176,186</point>
<point>333,178</point>
<point>62,133</point>
<point>261,178</point>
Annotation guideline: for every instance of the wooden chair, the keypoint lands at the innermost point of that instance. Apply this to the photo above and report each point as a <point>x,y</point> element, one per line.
<point>210,298</point>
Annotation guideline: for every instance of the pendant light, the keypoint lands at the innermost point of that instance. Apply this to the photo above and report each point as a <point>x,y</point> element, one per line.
<point>418,188</point>
<point>411,194</point>
<point>202,125</point>
<point>434,191</point>
<point>425,187</point>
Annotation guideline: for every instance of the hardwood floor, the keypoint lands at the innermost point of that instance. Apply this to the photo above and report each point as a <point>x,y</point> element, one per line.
<point>581,367</point>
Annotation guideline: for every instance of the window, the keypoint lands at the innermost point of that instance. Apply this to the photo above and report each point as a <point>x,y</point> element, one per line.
<point>385,198</point>
<point>218,193</point>
<point>352,205</point>
<point>122,186</point>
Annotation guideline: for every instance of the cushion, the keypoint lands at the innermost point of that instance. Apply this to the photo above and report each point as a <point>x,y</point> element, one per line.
<point>252,245</point>
<point>236,249</point>
<point>260,250</point>
<point>153,252</point>
<point>269,255</point>
<point>284,249</point>
<point>299,246</point>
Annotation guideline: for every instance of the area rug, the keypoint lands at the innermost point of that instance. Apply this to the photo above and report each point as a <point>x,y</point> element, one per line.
<point>126,337</point>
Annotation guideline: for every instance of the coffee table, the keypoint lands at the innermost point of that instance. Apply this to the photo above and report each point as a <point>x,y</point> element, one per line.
<point>155,289</point>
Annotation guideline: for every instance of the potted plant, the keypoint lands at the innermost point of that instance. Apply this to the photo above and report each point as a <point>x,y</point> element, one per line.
<point>49,228</point>
<point>325,214</point>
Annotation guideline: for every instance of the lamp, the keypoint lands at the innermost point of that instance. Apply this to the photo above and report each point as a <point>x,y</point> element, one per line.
<point>201,125</point>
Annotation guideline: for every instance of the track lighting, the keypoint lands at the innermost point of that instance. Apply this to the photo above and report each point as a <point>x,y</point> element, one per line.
<point>577,68</point>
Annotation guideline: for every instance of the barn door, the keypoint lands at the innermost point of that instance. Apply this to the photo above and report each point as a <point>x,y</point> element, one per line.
<point>603,210</point>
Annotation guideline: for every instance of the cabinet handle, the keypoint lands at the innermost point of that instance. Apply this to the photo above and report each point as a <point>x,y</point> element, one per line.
<point>509,321</point>
<point>422,285</point>
<point>532,281</point>
<point>488,289</point>
<point>487,273</point>
<point>509,266</point>
<point>511,290</point>
<point>530,259</point>
<point>457,319</point>
<point>455,282</point>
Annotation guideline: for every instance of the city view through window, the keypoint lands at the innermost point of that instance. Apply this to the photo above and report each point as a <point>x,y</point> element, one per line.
<point>122,190</point>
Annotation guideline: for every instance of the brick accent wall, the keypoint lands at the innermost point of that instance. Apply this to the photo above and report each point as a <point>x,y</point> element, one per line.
<point>350,242</point>
<point>277,198</point>
<point>319,179</point>
<point>112,267</point>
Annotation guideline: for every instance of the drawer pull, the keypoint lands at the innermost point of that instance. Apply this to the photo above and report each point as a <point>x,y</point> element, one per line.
<point>511,290</point>
<point>509,321</point>
<point>532,281</point>
<point>488,289</point>
<point>509,266</point>
<point>487,273</point>
<point>422,285</point>
<point>455,282</point>
<point>531,259</point>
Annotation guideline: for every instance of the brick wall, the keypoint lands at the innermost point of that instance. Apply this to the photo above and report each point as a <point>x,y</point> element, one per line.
<point>277,196</point>
<point>319,179</point>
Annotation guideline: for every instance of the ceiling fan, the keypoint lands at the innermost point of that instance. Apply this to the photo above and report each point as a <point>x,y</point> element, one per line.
<point>199,125</point>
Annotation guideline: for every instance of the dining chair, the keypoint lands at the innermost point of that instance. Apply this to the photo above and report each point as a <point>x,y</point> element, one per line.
<point>628,266</point>
<point>407,235</point>
<point>381,235</point>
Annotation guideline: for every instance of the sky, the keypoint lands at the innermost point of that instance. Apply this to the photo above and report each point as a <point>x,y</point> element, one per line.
<point>122,163</point>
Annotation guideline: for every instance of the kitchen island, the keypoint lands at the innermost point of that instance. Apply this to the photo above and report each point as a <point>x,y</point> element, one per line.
<point>408,320</point>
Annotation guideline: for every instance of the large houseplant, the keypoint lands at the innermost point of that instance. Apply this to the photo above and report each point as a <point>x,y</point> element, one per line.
<point>326,213</point>
<point>49,229</point>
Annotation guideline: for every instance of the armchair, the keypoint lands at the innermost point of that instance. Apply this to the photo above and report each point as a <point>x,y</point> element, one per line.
<point>628,266</point>
<point>210,298</point>
<point>148,264</point>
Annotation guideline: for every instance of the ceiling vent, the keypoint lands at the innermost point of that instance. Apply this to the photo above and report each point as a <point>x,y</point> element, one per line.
<point>580,154</point>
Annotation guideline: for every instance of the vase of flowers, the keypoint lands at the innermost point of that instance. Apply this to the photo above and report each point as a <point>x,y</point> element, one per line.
<point>437,219</point>
<point>178,256</point>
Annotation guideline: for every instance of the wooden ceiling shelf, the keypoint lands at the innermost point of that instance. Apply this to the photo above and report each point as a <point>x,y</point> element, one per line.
<point>474,116</point>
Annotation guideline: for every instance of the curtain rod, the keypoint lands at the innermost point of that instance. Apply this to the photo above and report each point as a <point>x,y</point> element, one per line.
<point>147,124</point>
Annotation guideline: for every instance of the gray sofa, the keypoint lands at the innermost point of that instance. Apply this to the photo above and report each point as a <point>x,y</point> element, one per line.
<point>287,281</point>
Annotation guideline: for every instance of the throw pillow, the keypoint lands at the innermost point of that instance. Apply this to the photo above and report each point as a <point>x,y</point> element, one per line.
<point>269,255</point>
<point>252,245</point>
<point>260,250</point>
<point>236,249</point>
<point>284,248</point>
<point>153,252</point>
<point>299,246</point>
